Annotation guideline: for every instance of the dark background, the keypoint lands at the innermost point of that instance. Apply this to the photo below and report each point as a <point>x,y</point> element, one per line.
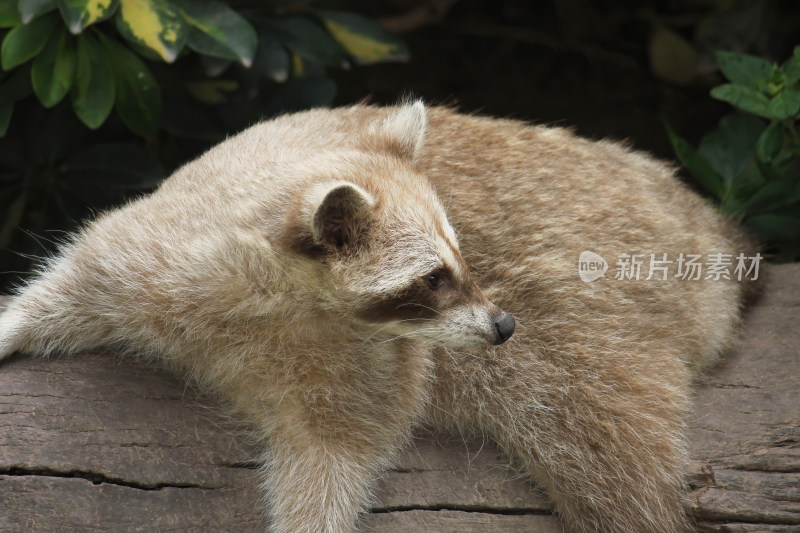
<point>576,62</point>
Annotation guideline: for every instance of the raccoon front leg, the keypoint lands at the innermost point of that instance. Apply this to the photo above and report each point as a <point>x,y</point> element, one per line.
<point>317,487</point>
<point>624,478</point>
<point>330,419</point>
<point>321,459</point>
<point>609,453</point>
<point>54,313</point>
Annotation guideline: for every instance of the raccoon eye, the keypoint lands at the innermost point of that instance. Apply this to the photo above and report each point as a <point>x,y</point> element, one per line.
<point>435,280</point>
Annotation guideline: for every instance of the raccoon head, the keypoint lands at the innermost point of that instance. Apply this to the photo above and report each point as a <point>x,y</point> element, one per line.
<point>389,253</point>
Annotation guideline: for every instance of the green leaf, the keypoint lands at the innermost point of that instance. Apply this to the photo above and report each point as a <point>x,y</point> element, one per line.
<point>154,24</point>
<point>138,99</point>
<point>750,181</point>
<point>79,14</point>
<point>94,90</point>
<point>365,41</point>
<point>787,157</point>
<point>769,143</point>
<point>791,68</point>
<point>24,42</point>
<point>776,82</point>
<point>30,9</point>
<point>9,15</point>
<point>271,61</point>
<point>774,195</point>
<point>16,86</point>
<point>784,105</point>
<point>271,65</point>
<point>54,69</point>
<point>743,69</point>
<point>698,165</point>
<point>6,110</point>
<point>744,98</point>
<point>305,38</point>
<point>219,31</point>
<point>729,147</point>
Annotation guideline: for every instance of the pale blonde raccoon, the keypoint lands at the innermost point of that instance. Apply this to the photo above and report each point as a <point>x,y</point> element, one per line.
<point>306,272</point>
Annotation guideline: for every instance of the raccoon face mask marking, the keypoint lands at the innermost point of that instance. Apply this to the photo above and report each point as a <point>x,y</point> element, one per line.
<point>395,264</point>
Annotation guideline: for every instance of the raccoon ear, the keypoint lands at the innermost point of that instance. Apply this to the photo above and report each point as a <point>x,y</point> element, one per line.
<point>341,212</point>
<point>404,130</point>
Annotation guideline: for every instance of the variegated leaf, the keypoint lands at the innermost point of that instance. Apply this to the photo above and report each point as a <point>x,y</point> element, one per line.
<point>364,40</point>
<point>154,24</point>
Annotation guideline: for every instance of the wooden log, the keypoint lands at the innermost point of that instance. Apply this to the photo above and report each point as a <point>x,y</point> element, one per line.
<point>745,430</point>
<point>97,442</point>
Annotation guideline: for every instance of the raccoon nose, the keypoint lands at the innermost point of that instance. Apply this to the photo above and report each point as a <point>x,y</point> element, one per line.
<point>504,327</point>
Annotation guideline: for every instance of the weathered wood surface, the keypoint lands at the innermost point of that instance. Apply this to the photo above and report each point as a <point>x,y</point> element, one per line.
<point>93,442</point>
<point>745,431</point>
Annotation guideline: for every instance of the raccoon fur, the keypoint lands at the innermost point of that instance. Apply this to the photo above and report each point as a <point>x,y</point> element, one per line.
<point>320,274</point>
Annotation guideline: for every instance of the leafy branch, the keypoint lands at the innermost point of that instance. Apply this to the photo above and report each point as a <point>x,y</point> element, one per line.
<point>97,51</point>
<point>98,96</point>
<point>751,163</point>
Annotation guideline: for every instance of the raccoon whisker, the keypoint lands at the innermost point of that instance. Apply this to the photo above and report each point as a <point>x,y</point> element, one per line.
<point>39,238</point>
<point>416,334</point>
<point>36,239</point>
<point>27,256</point>
<point>419,305</point>
<point>406,335</point>
<point>376,332</point>
<point>67,235</point>
<point>382,328</point>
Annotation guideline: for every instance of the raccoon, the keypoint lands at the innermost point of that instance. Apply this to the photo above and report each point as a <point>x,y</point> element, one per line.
<point>306,271</point>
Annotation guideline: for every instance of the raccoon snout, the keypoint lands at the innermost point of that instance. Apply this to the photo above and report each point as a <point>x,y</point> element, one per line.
<point>503,327</point>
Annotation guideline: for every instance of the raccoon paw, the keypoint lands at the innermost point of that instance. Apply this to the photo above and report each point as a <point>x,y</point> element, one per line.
<point>9,337</point>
